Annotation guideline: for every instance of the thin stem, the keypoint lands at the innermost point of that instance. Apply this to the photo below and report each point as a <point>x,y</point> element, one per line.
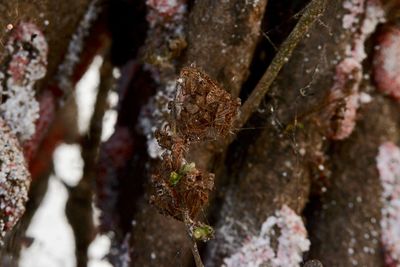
<point>312,12</point>
<point>195,250</point>
<point>196,254</point>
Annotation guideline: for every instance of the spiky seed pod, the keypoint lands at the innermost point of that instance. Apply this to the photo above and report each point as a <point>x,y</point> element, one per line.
<point>14,180</point>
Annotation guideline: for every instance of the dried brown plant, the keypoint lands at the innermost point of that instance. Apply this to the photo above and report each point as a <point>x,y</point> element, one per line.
<point>201,111</point>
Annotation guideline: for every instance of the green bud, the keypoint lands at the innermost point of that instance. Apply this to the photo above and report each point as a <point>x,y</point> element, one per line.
<point>203,232</point>
<point>187,168</point>
<point>174,178</point>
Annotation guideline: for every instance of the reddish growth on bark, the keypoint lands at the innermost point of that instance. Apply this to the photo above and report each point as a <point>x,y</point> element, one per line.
<point>388,163</point>
<point>14,180</point>
<point>259,250</point>
<point>26,63</point>
<point>387,62</point>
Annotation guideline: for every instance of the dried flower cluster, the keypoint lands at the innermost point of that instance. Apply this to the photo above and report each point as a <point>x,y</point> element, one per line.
<point>287,229</point>
<point>388,163</point>
<point>201,110</point>
<point>14,180</point>
<point>25,64</point>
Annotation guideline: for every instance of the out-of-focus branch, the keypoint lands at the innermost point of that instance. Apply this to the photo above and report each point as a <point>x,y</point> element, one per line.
<point>79,205</point>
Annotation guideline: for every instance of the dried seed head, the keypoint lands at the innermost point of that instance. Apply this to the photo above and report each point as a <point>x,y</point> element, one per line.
<point>176,189</point>
<point>201,109</point>
<point>14,180</point>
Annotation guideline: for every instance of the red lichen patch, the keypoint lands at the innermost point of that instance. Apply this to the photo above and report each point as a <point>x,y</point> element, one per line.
<point>14,180</point>
<point>387,62</point>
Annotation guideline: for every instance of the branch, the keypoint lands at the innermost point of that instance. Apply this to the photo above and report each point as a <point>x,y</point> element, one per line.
<point>311,14</point>
<point>79,206</point>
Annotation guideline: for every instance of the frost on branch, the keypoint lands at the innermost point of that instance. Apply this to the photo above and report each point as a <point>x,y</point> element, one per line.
<point>25,64</point>
<point>387,62</point>
<point>287,229</point>
<point>14,180</point>
<point>388,163</point>
<point>164,43</point>
<point>75,47</point>
<point>361,20</point>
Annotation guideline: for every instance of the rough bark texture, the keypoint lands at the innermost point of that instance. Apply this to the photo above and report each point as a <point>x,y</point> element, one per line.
<point>345,224</point>
<point>238,24</point>
<point>291,153</point>
<point>58,26</point>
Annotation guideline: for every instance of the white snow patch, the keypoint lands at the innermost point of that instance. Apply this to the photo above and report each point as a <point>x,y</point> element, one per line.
<point>68,163</point>
<point>53,238</point>
<point>86,93</point>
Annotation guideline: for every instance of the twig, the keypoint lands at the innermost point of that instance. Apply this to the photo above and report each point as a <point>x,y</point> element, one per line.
<point>194,248</point>
<point>311,14</point>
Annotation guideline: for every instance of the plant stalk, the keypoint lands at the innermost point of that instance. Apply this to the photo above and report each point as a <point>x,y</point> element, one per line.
<point>194,248</point>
